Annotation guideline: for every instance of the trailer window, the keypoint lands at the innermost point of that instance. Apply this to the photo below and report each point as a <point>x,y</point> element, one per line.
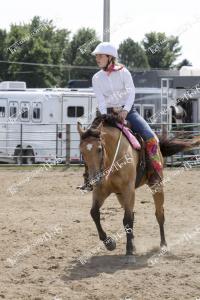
<point>148,112</point>
<point>24,113</point>
<point>36,113</point>
<point>2,111</point>
<point>13,112</point>
<point>75,111</point>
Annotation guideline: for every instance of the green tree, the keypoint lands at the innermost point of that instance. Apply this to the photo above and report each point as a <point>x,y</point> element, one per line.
<point>78,53</point>
<point>38,42</point>
<point>3,55</point>
<point>184,62</point>
<point>161,51</point>
<point>132,55</point>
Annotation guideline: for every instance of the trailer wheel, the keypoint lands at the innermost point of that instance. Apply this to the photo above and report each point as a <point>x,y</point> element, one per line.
<point>29,152</point>
<point>18,153</point>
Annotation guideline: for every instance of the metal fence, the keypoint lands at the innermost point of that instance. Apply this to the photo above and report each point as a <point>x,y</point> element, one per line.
<point>186,131</point>
<point>25,144</point>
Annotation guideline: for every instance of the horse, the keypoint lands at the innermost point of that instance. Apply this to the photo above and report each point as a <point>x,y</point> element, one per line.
<point>112,165</point>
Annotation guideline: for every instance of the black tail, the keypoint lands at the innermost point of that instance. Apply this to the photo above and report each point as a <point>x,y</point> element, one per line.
<point>169,147</point>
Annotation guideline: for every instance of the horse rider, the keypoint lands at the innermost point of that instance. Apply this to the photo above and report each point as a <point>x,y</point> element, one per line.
<point>114,89</point>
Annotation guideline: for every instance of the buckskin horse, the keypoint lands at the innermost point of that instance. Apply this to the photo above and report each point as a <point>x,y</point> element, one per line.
<point>112,165</point>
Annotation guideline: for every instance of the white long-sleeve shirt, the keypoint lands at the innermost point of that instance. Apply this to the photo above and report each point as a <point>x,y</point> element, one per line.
<point>114,90</point>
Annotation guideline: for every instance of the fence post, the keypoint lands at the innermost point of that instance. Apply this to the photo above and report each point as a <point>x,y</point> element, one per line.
<point>68,142</point>
<point>164,133</point>
<point>56,141</point>
<point>164,130</point>
<point>21,138</point>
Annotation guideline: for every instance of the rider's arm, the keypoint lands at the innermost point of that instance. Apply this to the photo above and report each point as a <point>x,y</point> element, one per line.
<point>100,97</point>
<point>130,89</point>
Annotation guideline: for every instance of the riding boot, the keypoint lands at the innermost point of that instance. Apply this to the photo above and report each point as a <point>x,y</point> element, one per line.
<point>86,186</point>
<point>155,167</point>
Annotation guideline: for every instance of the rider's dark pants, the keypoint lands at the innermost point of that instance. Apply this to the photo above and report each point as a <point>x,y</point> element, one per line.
<point>140,126</point>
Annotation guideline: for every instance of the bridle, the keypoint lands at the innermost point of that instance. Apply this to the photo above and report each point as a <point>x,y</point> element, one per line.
<point>99,176</point>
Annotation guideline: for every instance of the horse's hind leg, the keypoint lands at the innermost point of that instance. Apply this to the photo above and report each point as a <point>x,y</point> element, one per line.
<point>95,214</point>
<point>158,196</point>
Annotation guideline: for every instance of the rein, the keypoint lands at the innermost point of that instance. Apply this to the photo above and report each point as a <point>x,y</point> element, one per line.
<point>116,152</point>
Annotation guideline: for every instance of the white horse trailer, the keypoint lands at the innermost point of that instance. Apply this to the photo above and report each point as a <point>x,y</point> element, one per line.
<point>33,122</point>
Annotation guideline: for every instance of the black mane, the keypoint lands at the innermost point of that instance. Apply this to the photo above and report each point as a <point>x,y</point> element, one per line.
<point>91,132</point>
<point>107,120</point>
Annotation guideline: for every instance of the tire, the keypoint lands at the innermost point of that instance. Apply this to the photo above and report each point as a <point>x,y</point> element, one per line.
<point>18,152</point>
<point>29,152</point>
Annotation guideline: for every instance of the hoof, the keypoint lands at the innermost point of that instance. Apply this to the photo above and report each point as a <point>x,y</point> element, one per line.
<point>85,188</point>
<point>130,259</point>
<point>164,249</point>
<point>110,244</point>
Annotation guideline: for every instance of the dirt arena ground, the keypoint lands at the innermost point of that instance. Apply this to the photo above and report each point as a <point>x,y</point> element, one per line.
<point>46,227</point>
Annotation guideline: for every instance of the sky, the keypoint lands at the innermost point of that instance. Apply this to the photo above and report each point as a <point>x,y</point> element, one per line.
<point>128,18</point>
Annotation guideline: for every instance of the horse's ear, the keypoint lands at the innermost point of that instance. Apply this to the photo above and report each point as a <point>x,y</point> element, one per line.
<point>79,128</point>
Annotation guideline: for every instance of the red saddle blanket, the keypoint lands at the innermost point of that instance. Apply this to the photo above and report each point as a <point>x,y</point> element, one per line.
<point>131,138</point>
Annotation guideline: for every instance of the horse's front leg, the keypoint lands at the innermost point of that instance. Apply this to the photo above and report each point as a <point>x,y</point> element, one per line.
<point>98,201</point>
<point>127,200</point>
<point>128,226</point>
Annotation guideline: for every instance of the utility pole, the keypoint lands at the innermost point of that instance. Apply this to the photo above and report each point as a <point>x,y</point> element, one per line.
<point>106,21</point>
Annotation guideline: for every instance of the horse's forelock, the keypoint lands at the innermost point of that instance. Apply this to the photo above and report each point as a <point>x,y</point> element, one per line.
<point>91,133</point>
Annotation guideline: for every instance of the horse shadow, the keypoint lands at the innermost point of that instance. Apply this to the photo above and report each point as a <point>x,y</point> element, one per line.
<point>108,264</point>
